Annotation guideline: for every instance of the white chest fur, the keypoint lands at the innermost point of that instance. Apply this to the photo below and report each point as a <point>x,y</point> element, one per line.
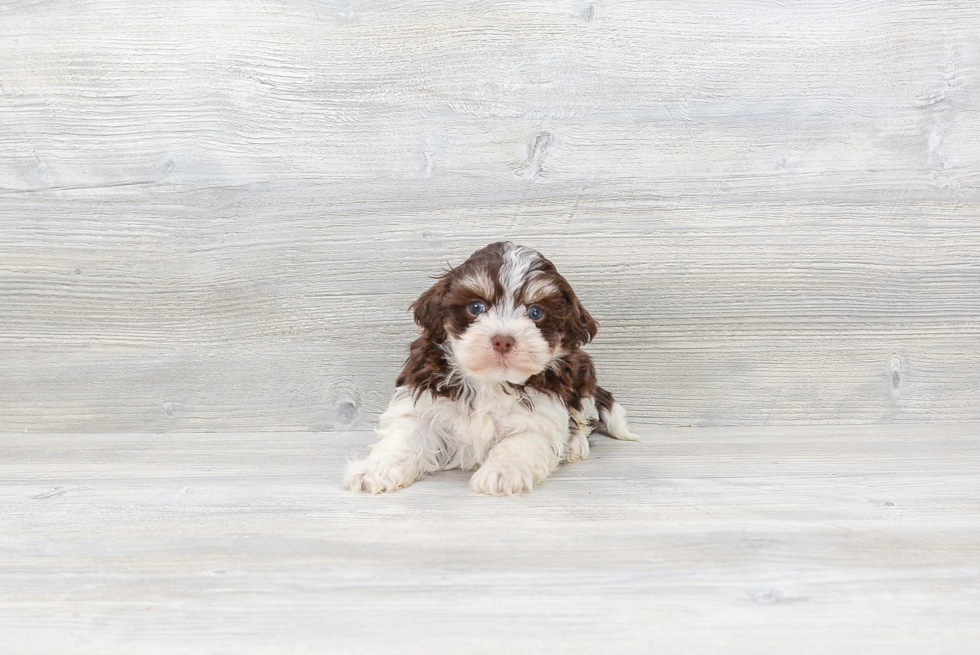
<point>465,430</point>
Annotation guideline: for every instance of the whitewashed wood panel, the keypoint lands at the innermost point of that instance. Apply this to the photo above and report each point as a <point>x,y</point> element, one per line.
<point>774,540</point>
<point>213,215</point>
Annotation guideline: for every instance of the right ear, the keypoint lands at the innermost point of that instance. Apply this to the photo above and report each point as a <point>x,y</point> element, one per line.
<point>428,309</point>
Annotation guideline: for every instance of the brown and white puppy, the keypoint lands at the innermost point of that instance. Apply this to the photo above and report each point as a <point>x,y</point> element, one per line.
<point>498,380</point>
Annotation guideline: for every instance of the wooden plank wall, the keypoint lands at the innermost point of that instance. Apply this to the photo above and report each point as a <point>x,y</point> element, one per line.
<point>213,215</point>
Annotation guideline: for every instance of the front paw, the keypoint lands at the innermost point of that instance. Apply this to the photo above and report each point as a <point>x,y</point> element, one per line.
<point>577,449</point>
<point>496,479</point>
<point>377,476</point>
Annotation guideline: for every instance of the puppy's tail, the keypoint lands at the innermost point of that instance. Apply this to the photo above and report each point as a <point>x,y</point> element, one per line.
<point>613,416</point>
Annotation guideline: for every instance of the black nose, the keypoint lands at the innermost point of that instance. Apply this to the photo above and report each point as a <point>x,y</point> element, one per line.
<point>502,343</point>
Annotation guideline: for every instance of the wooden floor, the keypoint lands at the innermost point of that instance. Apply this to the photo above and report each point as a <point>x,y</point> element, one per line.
<point>772,540</point>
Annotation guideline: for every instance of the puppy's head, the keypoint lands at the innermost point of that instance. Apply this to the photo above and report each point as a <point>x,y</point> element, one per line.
<point>505,314</point>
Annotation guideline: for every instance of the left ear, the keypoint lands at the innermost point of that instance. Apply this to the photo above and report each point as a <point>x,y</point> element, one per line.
<point>428,309</point>
<point>580,327</point>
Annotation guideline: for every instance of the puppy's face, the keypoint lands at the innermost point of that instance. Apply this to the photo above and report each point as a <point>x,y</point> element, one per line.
<point>505,314</point>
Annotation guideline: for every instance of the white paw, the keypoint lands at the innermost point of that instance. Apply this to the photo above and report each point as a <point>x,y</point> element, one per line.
<point>577,449</point>
<point>497,479</point>
<point>378,476</point>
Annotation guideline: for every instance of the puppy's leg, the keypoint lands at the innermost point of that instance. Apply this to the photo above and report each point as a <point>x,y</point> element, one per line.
<point>580,425</point>
<point>577,448</point>
<point>516,464</point>
<point>404,453</point>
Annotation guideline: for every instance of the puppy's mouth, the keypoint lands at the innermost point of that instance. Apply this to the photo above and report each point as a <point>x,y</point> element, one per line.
<point>514,366</point>
<point>500,355</point>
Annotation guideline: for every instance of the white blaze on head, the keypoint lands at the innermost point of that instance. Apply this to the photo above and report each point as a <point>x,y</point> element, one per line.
<point>530,354</point>
<point>517,263</point>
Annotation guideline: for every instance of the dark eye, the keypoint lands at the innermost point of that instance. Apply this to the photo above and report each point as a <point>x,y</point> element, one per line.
<point>535,313</point>
<point>476,307</point>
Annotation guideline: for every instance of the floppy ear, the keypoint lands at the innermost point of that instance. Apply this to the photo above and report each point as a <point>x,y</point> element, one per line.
<point>580,327</point>
<point>428,309</point>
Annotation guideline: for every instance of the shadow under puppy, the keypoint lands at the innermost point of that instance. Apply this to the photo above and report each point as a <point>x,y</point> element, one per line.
<point>498,380</point>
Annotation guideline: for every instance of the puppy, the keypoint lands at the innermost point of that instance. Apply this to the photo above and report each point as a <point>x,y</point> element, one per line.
<point>498,380</point>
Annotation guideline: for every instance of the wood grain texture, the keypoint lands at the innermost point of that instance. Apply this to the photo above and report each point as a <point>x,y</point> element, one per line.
<point>799,539</point>
<point>213,215</point>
